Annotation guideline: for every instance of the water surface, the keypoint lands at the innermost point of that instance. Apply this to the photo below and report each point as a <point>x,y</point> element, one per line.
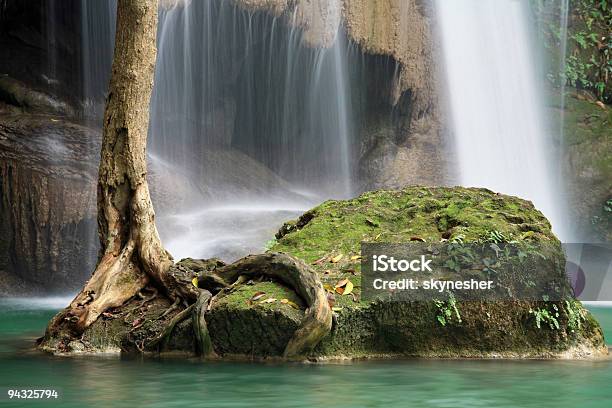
<point>129,382</point>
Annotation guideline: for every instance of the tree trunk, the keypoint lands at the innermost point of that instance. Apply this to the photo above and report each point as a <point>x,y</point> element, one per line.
<point>131,251</point>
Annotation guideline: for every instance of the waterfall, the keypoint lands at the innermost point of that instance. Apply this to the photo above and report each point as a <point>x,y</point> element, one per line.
<point>97,44</point>
<point>496,104</point>
<point>228,78</point>
<point>257,125</point>
<point>248,127</point>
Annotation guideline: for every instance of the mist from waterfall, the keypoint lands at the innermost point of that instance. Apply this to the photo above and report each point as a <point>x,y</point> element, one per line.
<point>496,103</point>
<point>248,127</point>
<point>227,78</point>
<point>241,86</point>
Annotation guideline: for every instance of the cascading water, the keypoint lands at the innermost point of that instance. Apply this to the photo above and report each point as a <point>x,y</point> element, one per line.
<point>496,103</point>
<point>98,18</point>
<point>257,121</point>
<point>248,126</point>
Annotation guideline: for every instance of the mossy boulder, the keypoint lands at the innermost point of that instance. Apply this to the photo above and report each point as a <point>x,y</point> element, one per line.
<point>260,327</point>
<point>328,238</point>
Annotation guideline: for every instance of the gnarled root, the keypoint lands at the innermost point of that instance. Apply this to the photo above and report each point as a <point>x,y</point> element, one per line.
<point>164,335</point>
<point>200,328</point>
<point>317,321</point>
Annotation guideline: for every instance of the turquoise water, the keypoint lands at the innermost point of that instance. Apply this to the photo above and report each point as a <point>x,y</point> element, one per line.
<point>129,382</point>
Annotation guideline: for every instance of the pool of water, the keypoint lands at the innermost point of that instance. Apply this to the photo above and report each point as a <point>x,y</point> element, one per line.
<point>129,382</point>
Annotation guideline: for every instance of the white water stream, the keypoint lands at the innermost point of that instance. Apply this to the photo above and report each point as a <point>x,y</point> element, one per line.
<point>496,104</point>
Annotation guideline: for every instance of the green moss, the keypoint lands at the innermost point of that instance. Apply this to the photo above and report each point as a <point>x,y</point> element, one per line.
<point>379,328</point>
<point>431,214</point>
<point>241,298</point>
<point>239,325</point>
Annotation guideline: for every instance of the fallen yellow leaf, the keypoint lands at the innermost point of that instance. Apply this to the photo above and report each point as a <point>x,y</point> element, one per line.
<point>355,257</point>
<point>194,281</point>
<point>328,287</point>
<point>341,283</point>
<point>337,258</point>
<point>344,287</point>
<point>348,288</point>
<point>290,303</point>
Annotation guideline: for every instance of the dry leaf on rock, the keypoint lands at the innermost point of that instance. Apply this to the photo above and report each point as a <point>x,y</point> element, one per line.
<point>337,258</point>
<point>257,296</point>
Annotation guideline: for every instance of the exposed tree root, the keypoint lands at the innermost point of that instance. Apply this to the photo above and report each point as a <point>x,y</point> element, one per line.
<point>162,338</point>
<point>203,342</point>
<point>317,321</point>
<point>171,309</point>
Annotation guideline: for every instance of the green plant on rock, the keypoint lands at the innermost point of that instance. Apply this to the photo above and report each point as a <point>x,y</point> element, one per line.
<point>545,316</point>
<point>447,309</point>
<point>576,314</point>
<point>608,206</point>
<point>460,256</point>
<point>270,244</point>
<point>495,237</point>
<point>603,220</point>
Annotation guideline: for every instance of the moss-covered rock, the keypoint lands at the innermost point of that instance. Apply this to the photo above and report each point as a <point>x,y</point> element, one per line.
<point>128,329</point>
<point>261,327</point>
<point>328,238</point>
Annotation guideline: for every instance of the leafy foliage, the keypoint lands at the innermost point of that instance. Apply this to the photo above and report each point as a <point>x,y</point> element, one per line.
<point>544,316</point>
<point>588,62</point>
<point>447,309</point>
<point>576,314</point>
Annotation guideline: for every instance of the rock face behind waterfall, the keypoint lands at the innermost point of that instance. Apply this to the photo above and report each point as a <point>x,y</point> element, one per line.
<point>397,28</point>
<point>242,323</point>
<point>47,203</point>
<point>411,148</point>
<point>48,176</point>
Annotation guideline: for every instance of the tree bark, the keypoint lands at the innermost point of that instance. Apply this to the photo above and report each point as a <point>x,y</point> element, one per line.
<point>131,254</point>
